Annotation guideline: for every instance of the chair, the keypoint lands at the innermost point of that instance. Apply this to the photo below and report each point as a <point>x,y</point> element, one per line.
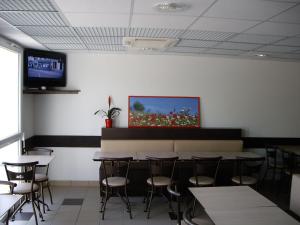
<point>41,175</point>
<point>4,219</point>
<point>24,174</point>
<point>161,175</point>
<point>247,171</point>
<point>202,219</point>
<point>274,162</point>
<point>115,176</point>
<point>205,172</point>
<point>177,195</point>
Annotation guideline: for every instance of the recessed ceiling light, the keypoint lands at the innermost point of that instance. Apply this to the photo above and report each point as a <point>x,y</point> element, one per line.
<point>260,55</point>
<point>170,6</point>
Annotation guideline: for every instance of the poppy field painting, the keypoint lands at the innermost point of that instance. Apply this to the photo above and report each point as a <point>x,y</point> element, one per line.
<point>152,111</point>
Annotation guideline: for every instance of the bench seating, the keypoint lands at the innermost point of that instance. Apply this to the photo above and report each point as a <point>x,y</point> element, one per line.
<point>132,146</point>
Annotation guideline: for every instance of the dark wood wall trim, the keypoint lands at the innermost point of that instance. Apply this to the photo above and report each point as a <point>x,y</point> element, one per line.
<point>171,134</point>
<point>95,141</point>
<point>65,141</point>
<point>261,142</point>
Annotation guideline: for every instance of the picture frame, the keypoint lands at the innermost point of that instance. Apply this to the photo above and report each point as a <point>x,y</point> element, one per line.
<point>163,112</point>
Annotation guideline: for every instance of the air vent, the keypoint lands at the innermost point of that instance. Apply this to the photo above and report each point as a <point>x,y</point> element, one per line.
<point>142,43</point>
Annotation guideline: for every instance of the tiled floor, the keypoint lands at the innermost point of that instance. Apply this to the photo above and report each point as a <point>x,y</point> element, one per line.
<point>88,212</point>
<point>66,211</point>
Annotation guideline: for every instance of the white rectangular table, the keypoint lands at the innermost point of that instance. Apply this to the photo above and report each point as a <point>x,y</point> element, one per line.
<point>100,155</point>
<point>144,155</point>
<point>7,202</point>
<point>230,198</point>
<point>251,216</point>
<point>43,160</point>
<point>225,155</point>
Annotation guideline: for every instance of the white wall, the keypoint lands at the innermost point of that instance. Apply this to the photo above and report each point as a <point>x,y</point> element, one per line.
<point>261,97</point>
<point>28,115</point>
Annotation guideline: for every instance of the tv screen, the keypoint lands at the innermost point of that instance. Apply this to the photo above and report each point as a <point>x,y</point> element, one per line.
<point>44,68</point>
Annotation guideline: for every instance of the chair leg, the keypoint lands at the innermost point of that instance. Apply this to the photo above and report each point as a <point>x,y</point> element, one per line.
<point>49,190</point>
<point>42,195</point>
<point>33,208</point>
<point>128,203</point>
<point>194,206</point>
<point>149,205</point>
<point>104,203</point>
<point>146,201</point>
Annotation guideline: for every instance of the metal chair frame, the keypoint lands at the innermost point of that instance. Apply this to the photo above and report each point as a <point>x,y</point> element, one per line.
<point>25,173</point>
<point>111,168</point>
<point>156,166</point>
<point>41,183</point>
<point>241,164</point>
<point>213,163</point>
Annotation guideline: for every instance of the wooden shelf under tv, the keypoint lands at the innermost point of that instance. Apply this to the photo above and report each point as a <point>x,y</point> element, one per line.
<point>54,91</point>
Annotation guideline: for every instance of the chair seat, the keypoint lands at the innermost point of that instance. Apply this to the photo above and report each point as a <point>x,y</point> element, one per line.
<point>115,181</point>
<point>202,180</point>
<point>25,188</point>
<point>159,181</point>
<point>245,180</point>
<point>39,177</point>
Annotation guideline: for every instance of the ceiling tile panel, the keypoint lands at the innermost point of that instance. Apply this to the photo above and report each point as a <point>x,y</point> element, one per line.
<point>289,16</point>
<point>196,43</point>
<point>66,46</point>
<point>97,20</point>
<point>255,38</point>
<point>186,50</point>
<point>239,46</point>
<point>47,31</point>
<point>26,5</point>
<point>101,31</point>
<point>277,48</point>
<point>194,7</point>
<point>223,25</point>
<point>33,18</point>
<point>94,6</point>
<point>271,28</point>
<point>111,48</point>
<point>206,35</point>
<point>224,52</point>
<point>289,42</point>
<point>102,40</point>
<point>245,9</point>
<point>154,33</point>
<point>161,21</point>
<point>57,40</point>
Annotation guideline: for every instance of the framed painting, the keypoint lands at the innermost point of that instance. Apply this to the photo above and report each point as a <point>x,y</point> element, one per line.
<point>159,111</point>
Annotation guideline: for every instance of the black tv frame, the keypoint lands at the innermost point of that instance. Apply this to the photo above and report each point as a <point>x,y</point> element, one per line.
<point>44,82</point>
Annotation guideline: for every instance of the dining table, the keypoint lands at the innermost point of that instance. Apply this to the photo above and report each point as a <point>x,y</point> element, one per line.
<point>7,201</point>
<point>240,205</point>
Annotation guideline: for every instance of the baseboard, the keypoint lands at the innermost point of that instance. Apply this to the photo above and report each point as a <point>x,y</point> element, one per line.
<point>75,183</point>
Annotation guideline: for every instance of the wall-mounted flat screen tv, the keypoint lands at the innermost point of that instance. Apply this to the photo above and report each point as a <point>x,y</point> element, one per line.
<point>44,68</point>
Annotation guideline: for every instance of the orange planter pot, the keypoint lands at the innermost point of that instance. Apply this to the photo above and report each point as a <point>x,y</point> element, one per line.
<point>108,123</point>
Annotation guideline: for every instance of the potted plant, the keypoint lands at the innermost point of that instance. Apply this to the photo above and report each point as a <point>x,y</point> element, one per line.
<point>110,114</point>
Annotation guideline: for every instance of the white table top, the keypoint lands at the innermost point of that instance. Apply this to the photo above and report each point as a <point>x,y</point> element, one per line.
<point>7,201</point>
<point>43,160</point>
<point>291,149</point>
<point>229,198</point>
<point>98,155</point>
<point>144,155</point>
<point>180,155</point>
<point>251,216</point>
<point>225,155</point>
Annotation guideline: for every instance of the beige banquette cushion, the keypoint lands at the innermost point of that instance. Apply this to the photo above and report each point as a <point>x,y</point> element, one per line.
<point>137,145</point>
<point>208,145</point>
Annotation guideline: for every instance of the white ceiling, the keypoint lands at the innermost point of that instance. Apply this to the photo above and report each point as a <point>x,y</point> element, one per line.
<point>240,28</point>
